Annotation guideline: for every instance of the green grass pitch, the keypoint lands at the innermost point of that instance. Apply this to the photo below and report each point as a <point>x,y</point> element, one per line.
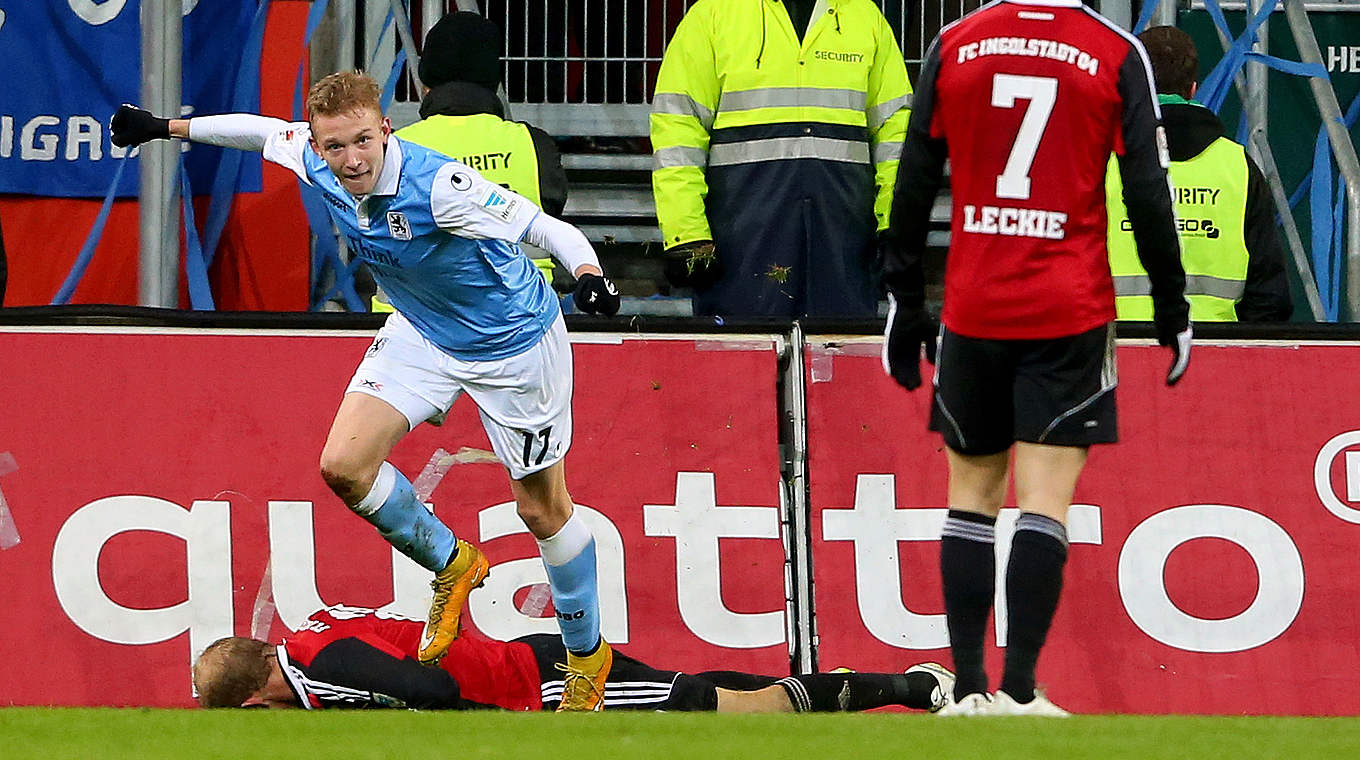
<point>52,734</point>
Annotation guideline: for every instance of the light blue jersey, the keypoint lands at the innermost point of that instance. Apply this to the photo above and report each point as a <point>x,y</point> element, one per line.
<point>442,241</point>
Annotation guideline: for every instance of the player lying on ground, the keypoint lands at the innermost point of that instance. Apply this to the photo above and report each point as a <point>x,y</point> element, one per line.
<point>473,316</point>
<point>351,657</point>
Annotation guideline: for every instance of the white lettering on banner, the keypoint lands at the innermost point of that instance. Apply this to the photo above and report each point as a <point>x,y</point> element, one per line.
<point>1322,476</point>
<point>29,148</point>
<point>206,531</point>
<point>875,525</point>
<point>493,608</point>
<point>97,12</point>
<point>6,136</point>
<point>697,523</point>
<point>1343,58</point>
<point>1279,570</point>
<point>83,130</point>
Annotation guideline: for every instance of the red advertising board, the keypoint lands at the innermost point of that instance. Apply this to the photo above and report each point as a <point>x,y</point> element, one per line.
<point>156,473</point>
<point>1212,567</point>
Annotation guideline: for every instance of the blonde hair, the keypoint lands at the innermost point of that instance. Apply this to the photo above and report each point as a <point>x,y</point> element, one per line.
<point>344,92</point>
<point>230,670</point>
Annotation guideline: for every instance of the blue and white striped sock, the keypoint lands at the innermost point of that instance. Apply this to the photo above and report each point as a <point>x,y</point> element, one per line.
<point>391,505</point>
<point>569,558</point>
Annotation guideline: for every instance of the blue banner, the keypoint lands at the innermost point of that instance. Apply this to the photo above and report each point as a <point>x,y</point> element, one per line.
<point>70,63</point>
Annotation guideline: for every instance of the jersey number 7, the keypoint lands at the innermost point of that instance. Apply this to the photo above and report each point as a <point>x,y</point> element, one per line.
<point>1041,92</point>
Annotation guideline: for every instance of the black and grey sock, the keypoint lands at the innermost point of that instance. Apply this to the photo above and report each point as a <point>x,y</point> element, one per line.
<point>1034,578</point>
<point>852,692</point>
<point>968,570</point>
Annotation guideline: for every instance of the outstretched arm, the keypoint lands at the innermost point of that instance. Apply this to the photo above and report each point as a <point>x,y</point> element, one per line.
<point>133,126</point>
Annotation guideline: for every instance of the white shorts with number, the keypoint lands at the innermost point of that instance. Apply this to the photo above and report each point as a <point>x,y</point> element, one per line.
<point>524,401</point>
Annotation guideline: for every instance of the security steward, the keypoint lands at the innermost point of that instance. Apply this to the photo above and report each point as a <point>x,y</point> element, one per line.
<point>461,116</point>
<point>776,130</point>
<point>1234,264</point>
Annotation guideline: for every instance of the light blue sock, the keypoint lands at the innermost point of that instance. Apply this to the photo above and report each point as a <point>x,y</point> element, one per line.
<point>391,505</point>
<point>569,558</point>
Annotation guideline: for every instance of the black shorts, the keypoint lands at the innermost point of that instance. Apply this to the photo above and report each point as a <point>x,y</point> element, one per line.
<point>631,685</point>
<point>991,393</point>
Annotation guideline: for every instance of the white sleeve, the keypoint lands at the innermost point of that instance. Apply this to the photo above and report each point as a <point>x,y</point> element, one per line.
<point>280,141</point>
<point>566,243</point>
<point>467,204</point>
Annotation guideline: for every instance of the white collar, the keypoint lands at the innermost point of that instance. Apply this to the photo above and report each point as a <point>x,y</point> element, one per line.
<point>390,176</point>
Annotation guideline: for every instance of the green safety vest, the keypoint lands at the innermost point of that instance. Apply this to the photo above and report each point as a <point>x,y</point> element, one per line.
<point>1210,191</point>
<point>735,64</point>
<point>500,150</point>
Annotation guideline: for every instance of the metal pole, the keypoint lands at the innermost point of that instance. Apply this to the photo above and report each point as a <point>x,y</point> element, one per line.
<point>1266,159</point>
<point>1342,148</point>
<point>1165,15</point>
<point>408,42</point>
<point>345,30</point>
<point>158,207</point>
<point>801,623</point>
<point>430,12</point>
<point>1257,92</point>
<point>1119,11</point>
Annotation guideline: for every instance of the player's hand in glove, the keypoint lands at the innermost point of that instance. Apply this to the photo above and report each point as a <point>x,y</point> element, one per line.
<point>1179,343</point>
<point>908,329</point>
<point>595,294</point>
<point>131,125</point>
<point>693,265</point>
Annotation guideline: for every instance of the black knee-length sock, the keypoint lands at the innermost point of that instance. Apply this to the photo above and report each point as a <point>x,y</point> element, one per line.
<point>968,570</point>
<point>851,692</point>
<point>1034,577</point>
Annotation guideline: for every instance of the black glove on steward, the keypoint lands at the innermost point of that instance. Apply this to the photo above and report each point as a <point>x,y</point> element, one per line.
<point>596,295</point>
<point>693,265</point>
<point>909,329</point>
<point>131,125</point>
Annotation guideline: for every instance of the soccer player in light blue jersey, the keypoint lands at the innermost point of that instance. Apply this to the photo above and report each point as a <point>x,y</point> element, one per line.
<point>473,315</point>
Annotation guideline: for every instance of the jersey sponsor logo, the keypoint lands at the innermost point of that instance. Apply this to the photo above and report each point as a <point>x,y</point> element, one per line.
<point>1014,222</point>
<point>832,55</point>
<point>370,252</point>
<point>335,202</point>
<point>377,346</point>
<point>1030,48</point>
<point>498,205</point>
<point>398,225</point>
<point>372,385</point>
<point>488,161</point>
<point>460,181</point>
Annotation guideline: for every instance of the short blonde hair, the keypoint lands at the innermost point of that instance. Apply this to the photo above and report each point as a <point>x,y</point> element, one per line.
<point>230,670</point>
<point>344,92</point>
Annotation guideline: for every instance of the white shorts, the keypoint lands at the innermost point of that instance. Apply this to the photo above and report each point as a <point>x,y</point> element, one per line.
<point>524,401</point>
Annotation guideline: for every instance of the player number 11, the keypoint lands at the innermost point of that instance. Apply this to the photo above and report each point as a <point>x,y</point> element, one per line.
<point>1041,92</point>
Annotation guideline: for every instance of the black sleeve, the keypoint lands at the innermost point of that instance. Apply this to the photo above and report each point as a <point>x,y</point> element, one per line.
<point>920,173</point>
<point>391,682</point>
<point>552,177</point>
<point>1267,297</point>
<point>1147,194</point>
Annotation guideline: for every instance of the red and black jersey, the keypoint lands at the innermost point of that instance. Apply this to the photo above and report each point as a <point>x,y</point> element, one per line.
<point>1027,99</point>
<point>357,657</point>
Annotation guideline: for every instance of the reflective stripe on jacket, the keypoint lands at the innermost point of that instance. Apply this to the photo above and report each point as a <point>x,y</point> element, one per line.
<point>1211,199</point>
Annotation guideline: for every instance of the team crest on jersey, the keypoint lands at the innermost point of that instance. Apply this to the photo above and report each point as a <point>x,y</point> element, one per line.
<point>398,225</point>
<point>498,205</point>
<point>460,181</point>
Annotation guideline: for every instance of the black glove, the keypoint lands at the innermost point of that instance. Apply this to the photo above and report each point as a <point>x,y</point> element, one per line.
<point>693,265</point>
<point>1179,344</point>
<point>595,294</point>
<point>131,125</point>
<point>908,329</point>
